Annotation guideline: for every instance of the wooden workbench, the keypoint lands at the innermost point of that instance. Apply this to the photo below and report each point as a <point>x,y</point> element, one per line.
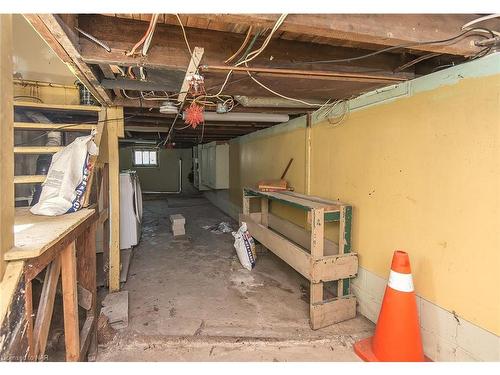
<point>63,246</point>
<point>309,253</point>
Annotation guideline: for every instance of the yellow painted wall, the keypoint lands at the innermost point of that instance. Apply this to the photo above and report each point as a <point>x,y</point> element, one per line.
<point>266,158</point>
<point>423,175</point>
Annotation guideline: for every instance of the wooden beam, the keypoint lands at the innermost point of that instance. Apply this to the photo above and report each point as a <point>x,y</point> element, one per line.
<point>194,62</point>
<point>46,306</point>
<point>6,141</point>
<point>114,196</point>
<point>70,303</point>
<point>60,127</point>
<point>170,50</point>
<point>63,42</point>
<point>372,31</point>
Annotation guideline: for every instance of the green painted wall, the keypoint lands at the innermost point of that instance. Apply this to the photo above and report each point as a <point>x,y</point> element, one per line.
<point>165,176</point>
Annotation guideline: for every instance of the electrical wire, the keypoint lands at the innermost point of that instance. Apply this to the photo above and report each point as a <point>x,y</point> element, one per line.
<point>185,36</point>
<point>141,41</point>
<point>94,39</point>
<point>417,60</point>
<point>245,41</point>
<point>147,41</point>
<point>405,45</point>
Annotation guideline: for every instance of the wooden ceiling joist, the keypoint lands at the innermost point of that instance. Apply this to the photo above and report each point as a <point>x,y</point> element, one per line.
<point>169,50</point>
<point>51,28</point>
<point>371,31</point>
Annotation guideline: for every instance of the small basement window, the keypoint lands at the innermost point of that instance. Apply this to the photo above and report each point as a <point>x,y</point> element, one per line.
<point>145,158</point>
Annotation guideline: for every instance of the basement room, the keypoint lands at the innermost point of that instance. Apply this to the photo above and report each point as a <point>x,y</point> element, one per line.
<point>249,187</point>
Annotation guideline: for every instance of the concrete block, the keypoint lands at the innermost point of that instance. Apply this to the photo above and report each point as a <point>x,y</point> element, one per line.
<point>177,219</point>
<point>115,307</point>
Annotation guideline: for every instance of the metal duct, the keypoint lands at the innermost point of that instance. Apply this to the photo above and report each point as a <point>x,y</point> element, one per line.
<point>244,117</point>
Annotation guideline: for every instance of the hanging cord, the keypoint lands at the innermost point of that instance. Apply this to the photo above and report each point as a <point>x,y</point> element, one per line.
<point>149,38</point>
<point>138,44</point>
<point>247,38</point>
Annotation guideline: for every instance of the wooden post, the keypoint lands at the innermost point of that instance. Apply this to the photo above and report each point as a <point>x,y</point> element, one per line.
<point>70,303</point>
<point>343,288</point>
<point>317,249</point>
<point>86,271</point>
<point>46,307</point>
<point>246,204</point>
<point>6,141</point>
<point>115,129</point>
<point>264,211</point>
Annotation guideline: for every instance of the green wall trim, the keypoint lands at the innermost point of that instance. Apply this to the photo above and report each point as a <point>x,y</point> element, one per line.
<point>485,66</point>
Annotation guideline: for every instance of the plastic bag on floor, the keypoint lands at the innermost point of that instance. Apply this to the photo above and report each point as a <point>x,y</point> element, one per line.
<point>66,182</point>
<point>245,247</point>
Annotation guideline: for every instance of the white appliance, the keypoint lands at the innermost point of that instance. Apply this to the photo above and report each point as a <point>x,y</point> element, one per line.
<point>130,209</point>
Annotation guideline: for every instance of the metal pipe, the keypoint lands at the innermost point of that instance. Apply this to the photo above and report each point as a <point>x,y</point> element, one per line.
<point>179,189</point>
<point>242,116</point>
<point>344,76</point>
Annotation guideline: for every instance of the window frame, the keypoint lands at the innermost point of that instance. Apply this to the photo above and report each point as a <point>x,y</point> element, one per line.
<point>142,149</point>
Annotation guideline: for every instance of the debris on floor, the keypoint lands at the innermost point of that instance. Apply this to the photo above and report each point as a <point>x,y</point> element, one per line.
<point>245,247</point>
<point>222,227</point>
<point>178,222</point>
<point>115,308</point>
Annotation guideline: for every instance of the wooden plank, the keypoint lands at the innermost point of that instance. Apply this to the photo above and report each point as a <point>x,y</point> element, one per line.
<point>36,234</point>
<point>297,200</point>
<point>70,303</point>
<point>63,107</point>
<point>28,300</point>
<point>61,127</point>
<point>101,125</point>
<point>366,30</point>
<point>114,209</point>
<point>299,235</point>
<point>332,311</point>
<point>37,149</point>
<point>86,335</point>
<point>64,42</point>
<point>191,69</point>
<point>86,267</point>
<point>264,210</point>
<point>334,267</point>
<point>292,254</point>
<point>85,297</point>
<point>46,307</point>
<point>34,179</point>
<point>317,232</point>
<point>345,244</point>
<point>170,49</point>
<point>6,141</point>
<point>317,248</point>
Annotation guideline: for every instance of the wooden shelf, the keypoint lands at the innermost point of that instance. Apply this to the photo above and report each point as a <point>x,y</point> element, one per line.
<point>60,127</point>
<point>34,234</point>
<point>308,252</point>
<point>37,149</point>
<point>34,179</point>
<point>64,107</point>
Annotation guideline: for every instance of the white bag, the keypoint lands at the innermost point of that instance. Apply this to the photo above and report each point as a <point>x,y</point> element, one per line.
<point>66,182</point>
<point>245,247</point>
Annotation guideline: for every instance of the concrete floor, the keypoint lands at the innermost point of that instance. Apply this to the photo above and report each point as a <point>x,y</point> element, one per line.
<point>191,300</point>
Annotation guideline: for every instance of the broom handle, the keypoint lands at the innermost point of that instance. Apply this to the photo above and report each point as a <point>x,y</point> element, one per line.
<point>286,169</point>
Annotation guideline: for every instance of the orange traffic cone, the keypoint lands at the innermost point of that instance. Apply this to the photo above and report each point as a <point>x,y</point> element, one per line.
<point>397,335</point>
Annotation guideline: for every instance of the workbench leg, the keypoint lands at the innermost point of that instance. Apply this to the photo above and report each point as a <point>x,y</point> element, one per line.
<point>29,319</point>
<point>343,288</point>
<point>246,204</point>
<point>46,307</point>
<point>70,303</point>
<point>317,249</point>
<point>86,274</point>
<point>264,211</point>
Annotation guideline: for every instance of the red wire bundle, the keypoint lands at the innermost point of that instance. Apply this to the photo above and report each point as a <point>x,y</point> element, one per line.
<point>194,115</point>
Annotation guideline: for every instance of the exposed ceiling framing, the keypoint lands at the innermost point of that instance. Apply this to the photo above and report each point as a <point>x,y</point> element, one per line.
<point>285,64</point>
